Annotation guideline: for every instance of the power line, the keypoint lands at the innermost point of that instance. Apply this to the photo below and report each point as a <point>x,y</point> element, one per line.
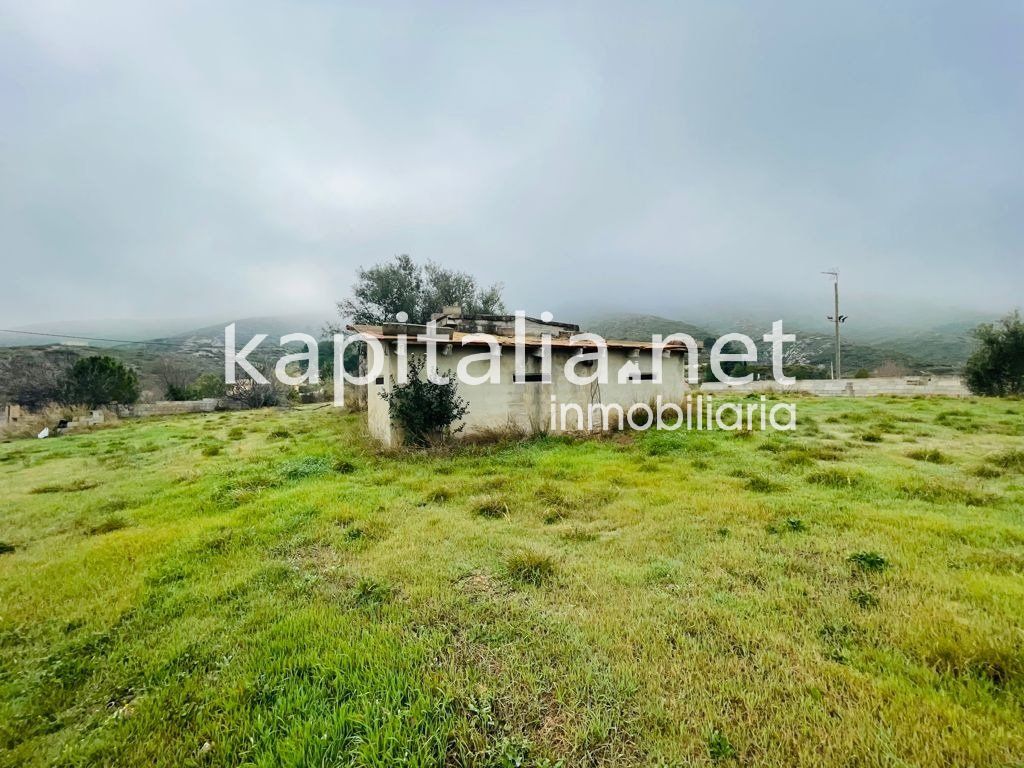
<point>88,338</point>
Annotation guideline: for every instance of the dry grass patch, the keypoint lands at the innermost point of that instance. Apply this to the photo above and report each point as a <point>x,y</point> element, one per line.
<point>75,486</point>
<point>533,568</point>
<point>931,455</point>
<point>493,507</point>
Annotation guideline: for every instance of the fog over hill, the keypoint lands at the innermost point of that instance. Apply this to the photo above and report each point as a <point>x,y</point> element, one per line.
<point>933,340</point>
<point>941,348</point>
<point>183,332</point>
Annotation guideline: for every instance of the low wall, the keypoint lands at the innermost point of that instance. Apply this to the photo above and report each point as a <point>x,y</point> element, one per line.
<point>949,386</point>
<point>170,407</point>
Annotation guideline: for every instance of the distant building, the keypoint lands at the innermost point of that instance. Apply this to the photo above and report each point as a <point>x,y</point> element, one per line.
<point>526,402</point>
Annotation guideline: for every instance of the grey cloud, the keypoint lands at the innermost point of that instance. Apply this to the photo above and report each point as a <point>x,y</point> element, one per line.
<point>195,160</point>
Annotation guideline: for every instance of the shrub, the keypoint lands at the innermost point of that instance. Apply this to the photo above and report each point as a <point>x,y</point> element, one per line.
<point>997,366</point>
<point>251,393</point>
<point>206,385</point>
<point>862,373</point>
<point>425,411</point>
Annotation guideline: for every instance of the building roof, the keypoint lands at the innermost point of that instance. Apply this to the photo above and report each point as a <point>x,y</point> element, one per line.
<point>459,316</point>
<point>391,333</point>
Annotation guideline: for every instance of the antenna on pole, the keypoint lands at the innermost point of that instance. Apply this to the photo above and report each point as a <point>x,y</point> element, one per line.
<point>836,318</point>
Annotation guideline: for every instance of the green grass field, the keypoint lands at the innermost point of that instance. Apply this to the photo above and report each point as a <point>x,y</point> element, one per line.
<point>266,588</point>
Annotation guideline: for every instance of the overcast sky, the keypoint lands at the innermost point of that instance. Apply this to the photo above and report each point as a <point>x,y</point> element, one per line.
<point>227,159</point>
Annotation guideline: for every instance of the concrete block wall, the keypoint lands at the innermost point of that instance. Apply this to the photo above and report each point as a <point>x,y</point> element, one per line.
<point>527,405</point>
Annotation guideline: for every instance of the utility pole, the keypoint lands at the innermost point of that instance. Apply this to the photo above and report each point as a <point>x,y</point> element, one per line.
<point>836,318</point>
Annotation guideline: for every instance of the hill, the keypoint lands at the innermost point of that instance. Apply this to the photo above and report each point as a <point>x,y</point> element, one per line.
<point>640,327</point>
<point>198,350</point>
<point>943,348</point>
<point>100,333</point>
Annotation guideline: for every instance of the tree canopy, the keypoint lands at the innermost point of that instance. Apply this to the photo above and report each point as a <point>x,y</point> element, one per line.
<point>997,366</point>
<point>101,380</point>
<point>402,285</point>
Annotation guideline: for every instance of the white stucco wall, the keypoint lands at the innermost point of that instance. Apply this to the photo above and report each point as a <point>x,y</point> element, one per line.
<point>527,405</point>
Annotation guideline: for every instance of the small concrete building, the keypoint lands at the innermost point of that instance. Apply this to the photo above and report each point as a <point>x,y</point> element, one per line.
<point>528,402</point>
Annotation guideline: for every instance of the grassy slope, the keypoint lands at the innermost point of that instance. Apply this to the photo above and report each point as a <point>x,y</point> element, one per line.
<point>296,598</point>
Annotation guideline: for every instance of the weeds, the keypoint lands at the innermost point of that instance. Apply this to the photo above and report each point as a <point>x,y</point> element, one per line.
<point>868,561</point>
<point>863,599</point>
<point>440,495</point>
<point>345,467</point>
<point>959,420</point>
<point>986,472</point>
<point>719,747</point>
<point>980,660</point>
<point>531,568</point>
<point>760,484</point>
<point>493,507</point>
<point>579,534</point>
<point>108,525</point>
<point>931,455</point>
<point>73,487</point>
<point>306,467</point>
<point>935,492</point>
<point>369,593</point>
<point>835,478</point>
<point>1011,461</point>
